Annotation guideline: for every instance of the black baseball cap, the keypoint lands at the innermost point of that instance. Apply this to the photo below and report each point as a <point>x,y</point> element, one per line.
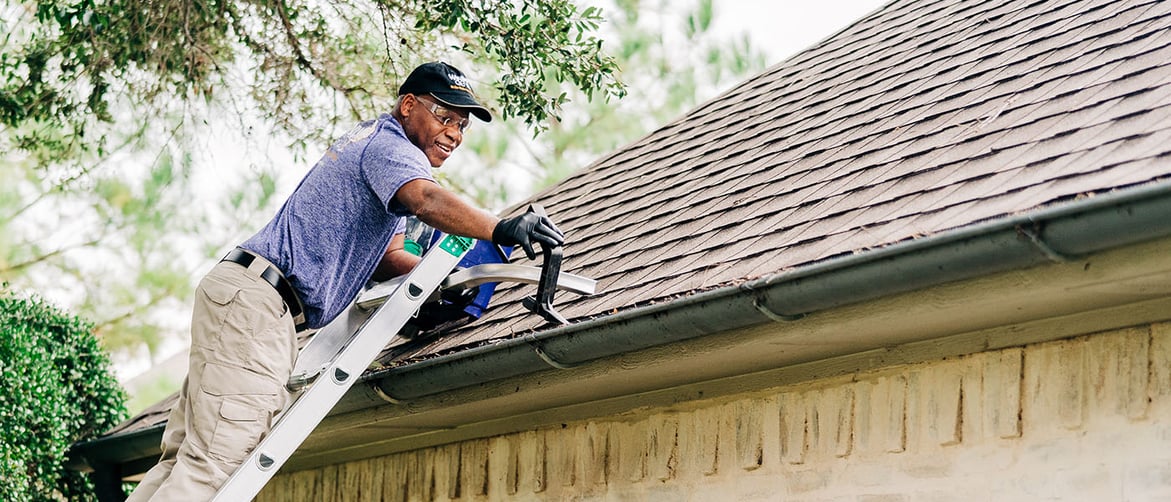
<point>447,85</point>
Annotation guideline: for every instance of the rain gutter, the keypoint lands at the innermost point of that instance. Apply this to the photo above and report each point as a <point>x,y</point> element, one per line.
<point>1050,235</point>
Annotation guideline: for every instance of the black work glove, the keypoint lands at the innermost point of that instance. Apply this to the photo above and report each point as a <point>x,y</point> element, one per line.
<point>459,298</point>
<point>448,311</point>
<point>526,229</point>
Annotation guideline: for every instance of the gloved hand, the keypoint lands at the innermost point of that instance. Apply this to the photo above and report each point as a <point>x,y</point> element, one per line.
<point>448,311</point>
<point>526,229</point>
<point>460,298</point>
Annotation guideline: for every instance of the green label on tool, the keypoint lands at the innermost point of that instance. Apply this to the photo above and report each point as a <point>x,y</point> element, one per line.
<point>455,244</point>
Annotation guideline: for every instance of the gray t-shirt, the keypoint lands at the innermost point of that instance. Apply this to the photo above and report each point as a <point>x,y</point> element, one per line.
<point>332,231</point>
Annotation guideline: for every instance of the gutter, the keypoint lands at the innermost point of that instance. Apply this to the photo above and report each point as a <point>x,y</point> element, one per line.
<point>1053,234</point>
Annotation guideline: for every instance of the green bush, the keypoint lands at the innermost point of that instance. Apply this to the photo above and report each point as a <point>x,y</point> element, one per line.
<point>56,388</point>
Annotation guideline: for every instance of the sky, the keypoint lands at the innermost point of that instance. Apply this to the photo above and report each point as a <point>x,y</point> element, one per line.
<point>784,27</point>
<point>779,28</point>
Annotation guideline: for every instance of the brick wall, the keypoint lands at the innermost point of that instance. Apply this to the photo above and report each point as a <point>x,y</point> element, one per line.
<point>1087,418</point>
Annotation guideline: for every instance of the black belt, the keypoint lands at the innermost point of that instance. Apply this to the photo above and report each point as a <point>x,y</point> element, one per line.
<point>271,275</point>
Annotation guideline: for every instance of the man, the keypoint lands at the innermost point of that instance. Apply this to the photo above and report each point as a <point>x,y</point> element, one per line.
<point>342,225</point>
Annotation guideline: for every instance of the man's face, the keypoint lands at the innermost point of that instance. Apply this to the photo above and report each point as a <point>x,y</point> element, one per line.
<point>423,123</point>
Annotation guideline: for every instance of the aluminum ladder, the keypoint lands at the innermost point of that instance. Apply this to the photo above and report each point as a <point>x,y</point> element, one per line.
<point>339,353</point>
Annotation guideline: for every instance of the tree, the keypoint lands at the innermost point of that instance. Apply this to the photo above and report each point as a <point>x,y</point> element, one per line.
<point>103,104</point>
<point>64,60</point>
<point>55,388</point>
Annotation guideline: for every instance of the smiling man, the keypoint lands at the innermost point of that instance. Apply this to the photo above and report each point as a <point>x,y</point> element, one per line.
<point>342,225</point>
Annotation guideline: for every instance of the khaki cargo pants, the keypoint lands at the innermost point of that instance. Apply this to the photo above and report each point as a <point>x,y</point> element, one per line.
<point>243,345</point>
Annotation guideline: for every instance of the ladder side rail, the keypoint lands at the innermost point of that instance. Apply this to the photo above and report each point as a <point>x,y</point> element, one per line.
<point>312,406</point>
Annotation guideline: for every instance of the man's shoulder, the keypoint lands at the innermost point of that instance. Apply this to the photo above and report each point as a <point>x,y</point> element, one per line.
<point>390,146</point>
<point>360,132</point>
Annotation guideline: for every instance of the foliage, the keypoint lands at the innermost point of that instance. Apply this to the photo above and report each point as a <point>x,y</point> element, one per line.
<point>536,42</point>
<point>55,388</point>
<point>63,61</point>
<point>113,241</point>
<point>150,392</point>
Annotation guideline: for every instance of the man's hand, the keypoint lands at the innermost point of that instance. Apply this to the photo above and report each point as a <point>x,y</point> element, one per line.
<point>447,312</point>
<point>526,229</point>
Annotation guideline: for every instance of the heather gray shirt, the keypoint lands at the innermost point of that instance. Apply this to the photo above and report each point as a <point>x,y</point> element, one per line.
<point>332,231</point>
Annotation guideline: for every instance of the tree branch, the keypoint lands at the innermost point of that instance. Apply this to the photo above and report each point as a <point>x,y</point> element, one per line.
<point>45,257</point>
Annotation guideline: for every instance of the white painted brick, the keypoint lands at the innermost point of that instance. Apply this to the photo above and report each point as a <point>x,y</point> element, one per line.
<point>938,403</point>
<point>1080,419</point>
<point>503,465</point>
<point>1055,386</point>
<point>628,450</point>
<point>793,428</point>
<point>1118,368</point>
<point>532,462</point>
<point>1000,411</point>
<point>421,468</point>
<point>698,442</point>
<point>393,474</point>
<point>446,478</point>
<point>663,447</point>
<point>880,414</point>
<point>835,412</point>
<point>749,423</point>
<point>706,433</point>
<point>1160,362</point>
<point>690,451</point>
<point>473,468</point>
<point>594,450</point>
<point>561,445</point>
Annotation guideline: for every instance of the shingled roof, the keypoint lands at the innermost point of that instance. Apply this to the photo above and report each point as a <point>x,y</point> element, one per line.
<point>920,122</point>
<point>924,117</point>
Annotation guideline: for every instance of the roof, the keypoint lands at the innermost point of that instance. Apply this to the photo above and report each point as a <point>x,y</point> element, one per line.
<point>924,117</point>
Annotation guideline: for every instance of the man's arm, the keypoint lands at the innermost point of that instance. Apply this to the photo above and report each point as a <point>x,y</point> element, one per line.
<point>442,209</point>
<point>396,261</point>
<point>445,211</point>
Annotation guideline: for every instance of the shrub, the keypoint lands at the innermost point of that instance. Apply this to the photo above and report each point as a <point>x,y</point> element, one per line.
<point>55,388</point>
